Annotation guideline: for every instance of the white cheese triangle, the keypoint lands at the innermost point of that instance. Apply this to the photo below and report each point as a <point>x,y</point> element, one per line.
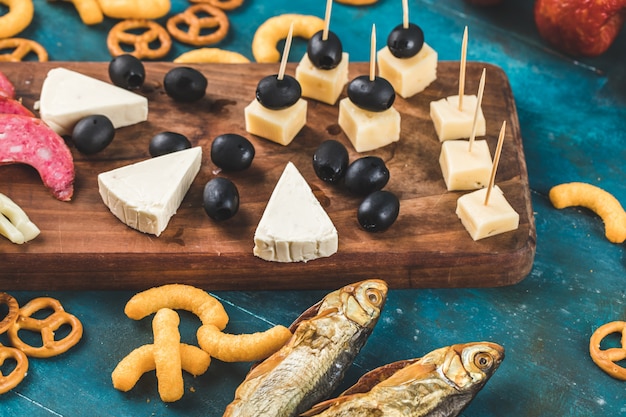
<point>145,195</point>
<point>68,96</point>
<point>294,226</point>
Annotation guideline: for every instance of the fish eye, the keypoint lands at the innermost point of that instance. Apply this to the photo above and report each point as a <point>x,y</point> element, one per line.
<point>483,360</point>
<point>374,296</point>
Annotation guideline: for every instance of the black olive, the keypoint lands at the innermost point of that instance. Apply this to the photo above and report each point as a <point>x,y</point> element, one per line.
<point>366,175</point>
<point>220,199</point>
<point>127,71</point>
<point>93,133</point>
<point>405,42</point>
<point>330,161</point>
<point>232,152</point>
<point>185,84</point>
<point>378,211</point>
<point>276,94</point>
<point>324,54</point>
<point>167,142</point>
<point>377,95</point>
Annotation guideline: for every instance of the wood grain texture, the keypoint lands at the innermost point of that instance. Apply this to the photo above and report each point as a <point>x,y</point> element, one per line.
<point>83,246</point>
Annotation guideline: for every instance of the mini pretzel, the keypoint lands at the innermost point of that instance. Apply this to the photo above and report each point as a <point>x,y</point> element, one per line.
<point>16,376</point>
<point>222,4</point>
<point>211,55</point>
<point>216,20</point>
<point>88,10</point>
<point>46,327</point>
<point>594,198</point>
<point>12,314</point>
<point>21,47</point>
<point>276,28</point>
<point>18,17</point>
<point>120,34</point>
<point>606,359</point>
<point>135,9</point>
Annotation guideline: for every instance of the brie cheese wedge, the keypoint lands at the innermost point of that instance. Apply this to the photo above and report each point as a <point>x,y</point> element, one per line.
<point>145,195</point>
<point>294,226</point>
<point>68,96</point>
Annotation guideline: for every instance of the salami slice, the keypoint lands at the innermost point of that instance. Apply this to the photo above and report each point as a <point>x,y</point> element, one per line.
<point>6,87</point>
<point>28,140</point>
<point>12,106</point>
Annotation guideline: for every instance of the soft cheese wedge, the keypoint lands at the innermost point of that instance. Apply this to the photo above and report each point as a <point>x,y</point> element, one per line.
<point>145,195</point>
<point>484,220</point>
<point>294,226</point>
<point>68,96</point>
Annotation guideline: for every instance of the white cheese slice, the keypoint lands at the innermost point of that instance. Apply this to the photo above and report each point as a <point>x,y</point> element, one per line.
<point>452,123</point>
<point>462,169</point>
<point>14,222</point>
<point>294,226</point>
<point>484,220</point>
<point>145,195</point>
<point>67,96</point>
<point>408,76</point>
<point>368,130</point>
<point>280,126</point>
<point>321,84</point>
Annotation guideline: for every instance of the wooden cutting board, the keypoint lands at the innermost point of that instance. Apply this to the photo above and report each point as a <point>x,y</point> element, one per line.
<point>83,246</point>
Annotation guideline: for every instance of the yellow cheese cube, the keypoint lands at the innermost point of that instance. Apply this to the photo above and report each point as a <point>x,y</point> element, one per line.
<point>452,123</point>
<point>368,130</point>
<point>280,126</point>
<point>320,84</point>
<point>484,220</point>
<point>462,169</point>
<point>408,76</point>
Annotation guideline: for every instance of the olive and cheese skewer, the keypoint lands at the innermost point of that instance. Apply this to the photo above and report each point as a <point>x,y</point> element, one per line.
<point>367,115</point>
<point>407,62</point>
<point>278,112</point>
<point>323,70</point>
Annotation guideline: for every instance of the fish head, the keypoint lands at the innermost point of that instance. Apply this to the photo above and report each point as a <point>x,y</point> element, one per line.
<point>360,302</point>
<point>469,366</point>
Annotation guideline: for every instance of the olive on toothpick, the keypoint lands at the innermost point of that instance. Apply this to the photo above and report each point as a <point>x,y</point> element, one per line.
<point>324,48</point>
<point>280,90</point>
<point>371,92</point>
<point>406,39</point>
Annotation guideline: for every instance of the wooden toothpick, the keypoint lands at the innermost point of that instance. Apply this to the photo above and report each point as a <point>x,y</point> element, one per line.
<point>373,54</point>
<point>496,160</point>
<point>462,69</point>
<point>405,14</point>
<point>479,100</point>
<point>329,6</point>
<point>283,61</point>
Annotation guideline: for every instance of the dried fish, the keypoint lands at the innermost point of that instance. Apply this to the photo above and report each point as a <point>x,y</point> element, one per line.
<point>440,384</point>
<point>326,339</point>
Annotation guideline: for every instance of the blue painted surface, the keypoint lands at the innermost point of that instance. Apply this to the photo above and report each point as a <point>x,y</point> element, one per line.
<point>572,116</point>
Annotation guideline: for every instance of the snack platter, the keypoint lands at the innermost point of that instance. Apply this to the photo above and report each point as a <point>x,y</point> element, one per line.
<point>83,246</point>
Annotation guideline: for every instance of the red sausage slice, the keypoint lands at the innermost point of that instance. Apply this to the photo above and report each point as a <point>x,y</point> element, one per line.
<point>6,87</point>
<point>28,140</point>
<point>11,106</point>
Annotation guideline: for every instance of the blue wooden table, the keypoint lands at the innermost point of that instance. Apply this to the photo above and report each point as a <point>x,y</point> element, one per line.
<point>572,115</point>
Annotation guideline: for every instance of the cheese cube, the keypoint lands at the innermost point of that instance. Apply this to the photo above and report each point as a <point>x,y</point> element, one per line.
<point>368,130</point>
<point>462,169</point>
<point>321,84</point>
<point>280,126</point>
<point>484,220</point>
<point>408,76</point>
<point>68,96</point>
<point>452,123</point>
